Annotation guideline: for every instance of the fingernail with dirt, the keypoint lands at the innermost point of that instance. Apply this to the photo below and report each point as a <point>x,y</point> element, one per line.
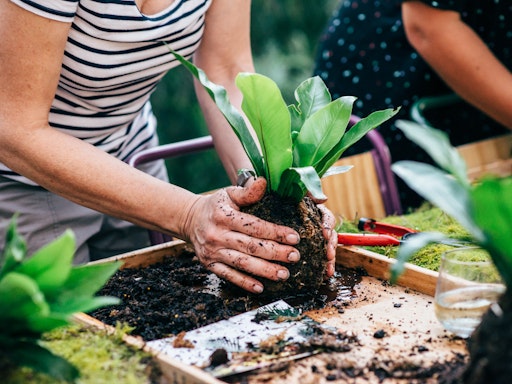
<point>257,288</point>
<point>293,257</point>
<point>283,274</point>
<point>292,238</point>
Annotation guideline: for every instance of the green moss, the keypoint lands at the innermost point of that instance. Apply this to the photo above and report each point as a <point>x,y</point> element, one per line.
<point>100,357</point>
<point>423,219</point>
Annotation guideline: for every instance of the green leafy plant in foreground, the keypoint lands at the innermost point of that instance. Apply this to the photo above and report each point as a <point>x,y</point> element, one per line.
<point>298,143</point>
<point>41,293</point>
<point>483,208</point>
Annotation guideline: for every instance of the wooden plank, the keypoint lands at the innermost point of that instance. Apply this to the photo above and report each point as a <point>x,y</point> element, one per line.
<point>355,193</point>
<point>488,157</point>
<point>414,277</point>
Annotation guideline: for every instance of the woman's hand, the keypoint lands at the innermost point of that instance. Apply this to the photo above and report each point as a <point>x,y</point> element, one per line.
<point>328,224</point>
<point>233,244</point>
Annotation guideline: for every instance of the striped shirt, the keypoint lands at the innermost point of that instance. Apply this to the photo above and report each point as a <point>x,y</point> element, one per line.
<point>114,58</point>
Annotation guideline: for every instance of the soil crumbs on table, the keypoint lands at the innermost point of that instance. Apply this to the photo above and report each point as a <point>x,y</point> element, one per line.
<point>179,295</point>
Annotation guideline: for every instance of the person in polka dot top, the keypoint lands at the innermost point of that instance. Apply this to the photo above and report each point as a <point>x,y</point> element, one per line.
<point>390,53</point>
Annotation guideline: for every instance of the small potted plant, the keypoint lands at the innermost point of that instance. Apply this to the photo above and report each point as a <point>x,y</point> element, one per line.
<point>40,293</point>
<point>485,210</point>
<point>298,144</point>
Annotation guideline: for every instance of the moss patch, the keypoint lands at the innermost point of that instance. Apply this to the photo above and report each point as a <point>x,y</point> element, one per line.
<point>102,358</point>
<point>424,219</point>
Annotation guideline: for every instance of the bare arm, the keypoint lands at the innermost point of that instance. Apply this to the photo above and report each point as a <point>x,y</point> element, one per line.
<point>225,51</point>
<point>30,59</point>
<point>460,58</point>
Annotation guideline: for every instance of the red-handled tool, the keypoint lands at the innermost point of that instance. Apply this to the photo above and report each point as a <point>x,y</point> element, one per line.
<point>384,234</point>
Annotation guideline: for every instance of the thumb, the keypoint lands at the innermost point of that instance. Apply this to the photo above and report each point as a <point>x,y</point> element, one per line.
<point>252,193</point>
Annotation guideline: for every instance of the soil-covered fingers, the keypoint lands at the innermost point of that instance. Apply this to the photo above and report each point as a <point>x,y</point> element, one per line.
<point>249,194</point>
<point>329,223</point>
<point>235,266</point>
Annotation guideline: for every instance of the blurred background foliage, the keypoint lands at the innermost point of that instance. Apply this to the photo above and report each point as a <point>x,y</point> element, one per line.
<point>284,40</point>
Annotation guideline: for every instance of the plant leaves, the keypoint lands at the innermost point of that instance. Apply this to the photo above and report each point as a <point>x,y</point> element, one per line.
<point>296,182</point>
<point>353,135</point>
<point>492,211</point>
<point>410,246</point>
<point>232,115</point>
<point>337,170</point>
<point>321,132</point>
<point>311,95</point>
<point>20,298</point>
<point>50,266</point>
<point>40,323</point>
<point>265,108</point>
<point>437,144</point>
<point>441,189</point>
<point>83,282</point>
<point>15,249</point>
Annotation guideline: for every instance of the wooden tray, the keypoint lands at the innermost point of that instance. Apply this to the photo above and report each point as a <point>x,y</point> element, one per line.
<point>404,313</point>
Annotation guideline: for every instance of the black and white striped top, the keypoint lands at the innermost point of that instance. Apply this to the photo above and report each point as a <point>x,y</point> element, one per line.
<point>113,60</point>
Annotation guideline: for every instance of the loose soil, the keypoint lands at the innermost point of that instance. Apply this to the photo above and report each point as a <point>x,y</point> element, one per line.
<point>178,295</point>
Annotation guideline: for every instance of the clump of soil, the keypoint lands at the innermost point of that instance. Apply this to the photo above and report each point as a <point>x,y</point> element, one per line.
<point>307,275</point>
<point>489,346</point>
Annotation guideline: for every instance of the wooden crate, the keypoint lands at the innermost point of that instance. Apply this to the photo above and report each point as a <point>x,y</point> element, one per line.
<point>355,193</point>
<point>404,311</point>
<point>488,157</point>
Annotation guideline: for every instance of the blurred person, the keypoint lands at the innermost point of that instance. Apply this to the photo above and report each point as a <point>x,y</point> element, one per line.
<point>391,53</point>
<point>76,80</point>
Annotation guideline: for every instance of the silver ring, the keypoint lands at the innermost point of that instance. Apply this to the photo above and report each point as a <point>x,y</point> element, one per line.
<point>243,176</point>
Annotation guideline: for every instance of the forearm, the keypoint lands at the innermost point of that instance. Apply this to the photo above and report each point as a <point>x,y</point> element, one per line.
<point>227,144</point>
<point>92,178</point>
<point>461,59</point>
<point>224,52</point>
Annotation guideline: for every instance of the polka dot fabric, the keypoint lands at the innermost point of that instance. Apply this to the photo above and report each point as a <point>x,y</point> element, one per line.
<point>364,52</point>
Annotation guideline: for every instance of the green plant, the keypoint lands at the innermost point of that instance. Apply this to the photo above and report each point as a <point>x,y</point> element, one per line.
<point>483,208</point>
<point>297,144</point>
<point>41,293</point>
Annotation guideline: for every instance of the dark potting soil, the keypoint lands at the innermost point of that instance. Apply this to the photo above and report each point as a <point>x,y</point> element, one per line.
<point>179,294</point>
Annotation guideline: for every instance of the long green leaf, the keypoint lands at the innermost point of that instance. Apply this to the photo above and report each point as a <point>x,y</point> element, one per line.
<point>14,250</point>
<point>83,282</point>
<point>20,298</point>
<point>265,108</point>
<point>311,95</point>
<point>234,118</point>
<point>492,211</point>
<point>441,189</point>
<point>409,247</point>
<point>296,182</point>
<point>39,323</point>
<point>50,266</point>
<point>322,131</point>
<point>437,144</point>
<point>354,134</point>
<point>337,170</point>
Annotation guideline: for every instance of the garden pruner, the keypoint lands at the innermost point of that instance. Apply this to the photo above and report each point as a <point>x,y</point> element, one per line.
<point>384,234</point>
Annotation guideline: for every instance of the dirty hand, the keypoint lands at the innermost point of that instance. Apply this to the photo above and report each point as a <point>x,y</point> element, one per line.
<point>329,223</point>
<point>229,242</point>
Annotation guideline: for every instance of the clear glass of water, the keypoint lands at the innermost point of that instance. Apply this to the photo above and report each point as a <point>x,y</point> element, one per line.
<point>467,285</point>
